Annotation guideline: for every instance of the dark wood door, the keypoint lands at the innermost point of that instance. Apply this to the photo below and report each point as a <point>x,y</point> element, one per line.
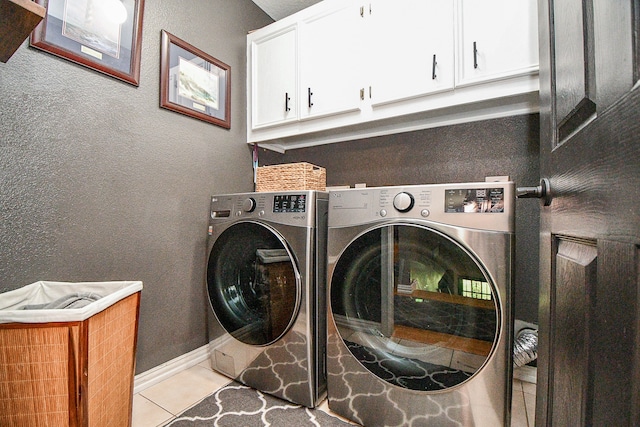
<point>589,343</point>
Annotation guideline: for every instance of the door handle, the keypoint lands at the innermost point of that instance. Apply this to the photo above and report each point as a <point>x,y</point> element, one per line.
<point>433,68</point>
<point>542,191</point>
<point>286,101</point>
<point>309,93</point>
<point>475,55</point>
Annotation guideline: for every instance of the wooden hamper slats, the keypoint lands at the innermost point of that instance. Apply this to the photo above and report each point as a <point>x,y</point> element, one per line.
<point>70,374</point>
<point>33,376</point>
<point>111,360</point>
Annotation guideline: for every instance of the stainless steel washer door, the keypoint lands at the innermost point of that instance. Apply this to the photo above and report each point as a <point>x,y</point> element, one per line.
<point>253,283</point>
<point>414,307</point>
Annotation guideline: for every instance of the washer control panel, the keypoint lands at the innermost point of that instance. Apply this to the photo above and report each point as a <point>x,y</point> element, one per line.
<point>287,207</point>
<point>290,203</point>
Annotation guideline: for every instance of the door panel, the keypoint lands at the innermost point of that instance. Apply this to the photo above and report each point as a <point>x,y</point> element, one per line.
<point>572,293</point>
<point>575,84</point>
<point>615,74</point>
<point>615,373</point>
<point>589,362</point>
<point>592,74</point>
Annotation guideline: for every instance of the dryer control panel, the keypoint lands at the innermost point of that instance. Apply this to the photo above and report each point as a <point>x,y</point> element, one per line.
<point>490,203</point>
<point>474,200</point>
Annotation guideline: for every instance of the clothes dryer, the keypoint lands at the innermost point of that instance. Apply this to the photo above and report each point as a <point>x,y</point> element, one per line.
<point>420,304</point>
<point>266,278</point>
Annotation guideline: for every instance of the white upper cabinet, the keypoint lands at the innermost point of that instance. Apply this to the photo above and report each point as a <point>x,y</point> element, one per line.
<point>331,61</point>
<point>347,69</point>
<point>411,49</point>
<point>496,39</point>
<point>273,95</point>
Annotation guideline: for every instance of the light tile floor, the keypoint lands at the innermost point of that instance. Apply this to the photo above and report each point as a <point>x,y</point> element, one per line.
<point>157,405</point>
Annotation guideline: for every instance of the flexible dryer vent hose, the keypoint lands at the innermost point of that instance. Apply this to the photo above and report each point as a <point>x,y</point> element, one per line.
<point>525,347</point>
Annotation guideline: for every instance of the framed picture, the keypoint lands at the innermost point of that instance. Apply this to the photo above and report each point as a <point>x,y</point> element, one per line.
<point>194,83</point>
<point>104,35</point>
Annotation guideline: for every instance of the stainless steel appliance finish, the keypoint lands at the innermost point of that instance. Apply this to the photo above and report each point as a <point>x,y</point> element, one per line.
<point>420,322</point>
<point>266,284</point>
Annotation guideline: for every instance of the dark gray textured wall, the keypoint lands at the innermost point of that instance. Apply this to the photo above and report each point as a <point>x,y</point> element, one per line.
<point>460,153</point>
<point>98,183</point>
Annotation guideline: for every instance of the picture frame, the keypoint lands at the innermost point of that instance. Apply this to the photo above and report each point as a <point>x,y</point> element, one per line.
<point>193,82</point>
<point>103,35</point>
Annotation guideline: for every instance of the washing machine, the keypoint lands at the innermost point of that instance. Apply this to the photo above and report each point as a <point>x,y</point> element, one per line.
<point>420,322</point>
<point>266,284</point>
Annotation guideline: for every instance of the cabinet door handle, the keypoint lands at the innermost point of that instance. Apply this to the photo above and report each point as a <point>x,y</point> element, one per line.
<point>286,102</point>
<point>309,93</point>
<point>433,68</point>
<point>475,56</point>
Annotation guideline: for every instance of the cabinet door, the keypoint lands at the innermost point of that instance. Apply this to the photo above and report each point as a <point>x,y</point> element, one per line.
<point>410,48</point>
<point>330,62</point>
<point>496,39</point>
<point>273,88</point>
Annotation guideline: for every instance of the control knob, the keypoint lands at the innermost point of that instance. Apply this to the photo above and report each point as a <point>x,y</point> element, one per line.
<point>403,202</point>
<point>249,204</point>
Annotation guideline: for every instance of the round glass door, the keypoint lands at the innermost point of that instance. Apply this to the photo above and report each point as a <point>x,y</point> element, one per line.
<point>253,284</point>
<point>414,307</point>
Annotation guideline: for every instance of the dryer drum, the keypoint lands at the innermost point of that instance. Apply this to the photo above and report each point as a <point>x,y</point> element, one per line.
<point>402,307</point>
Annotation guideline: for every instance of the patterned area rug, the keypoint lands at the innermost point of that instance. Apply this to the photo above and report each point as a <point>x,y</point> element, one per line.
<point>281,370</point>
<point>407,373</point>
<point>237,405</point>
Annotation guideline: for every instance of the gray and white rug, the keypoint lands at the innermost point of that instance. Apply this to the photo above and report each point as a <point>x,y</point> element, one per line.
<point>237,405</point>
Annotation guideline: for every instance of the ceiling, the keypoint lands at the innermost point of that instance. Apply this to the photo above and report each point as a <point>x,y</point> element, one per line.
<point>278,9</point>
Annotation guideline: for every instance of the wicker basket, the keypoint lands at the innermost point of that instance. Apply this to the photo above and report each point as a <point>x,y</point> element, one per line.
<point>291,176</point>
<point>71,373</point>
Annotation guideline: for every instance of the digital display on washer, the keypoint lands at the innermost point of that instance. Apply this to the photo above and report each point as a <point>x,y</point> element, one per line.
<point>290,203</point>
<point>476,200</point>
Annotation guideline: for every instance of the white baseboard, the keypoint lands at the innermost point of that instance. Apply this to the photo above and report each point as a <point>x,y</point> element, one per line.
<point>161,372</point>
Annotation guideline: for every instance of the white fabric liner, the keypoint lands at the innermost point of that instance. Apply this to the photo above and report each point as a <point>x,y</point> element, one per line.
<point>45,292</point>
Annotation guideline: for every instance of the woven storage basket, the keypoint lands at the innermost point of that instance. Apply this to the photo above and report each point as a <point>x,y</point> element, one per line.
<point>70,373</point>
<point>291,176</point>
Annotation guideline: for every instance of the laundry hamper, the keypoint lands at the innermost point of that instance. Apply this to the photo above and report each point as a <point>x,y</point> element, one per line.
<point>68,366</point>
